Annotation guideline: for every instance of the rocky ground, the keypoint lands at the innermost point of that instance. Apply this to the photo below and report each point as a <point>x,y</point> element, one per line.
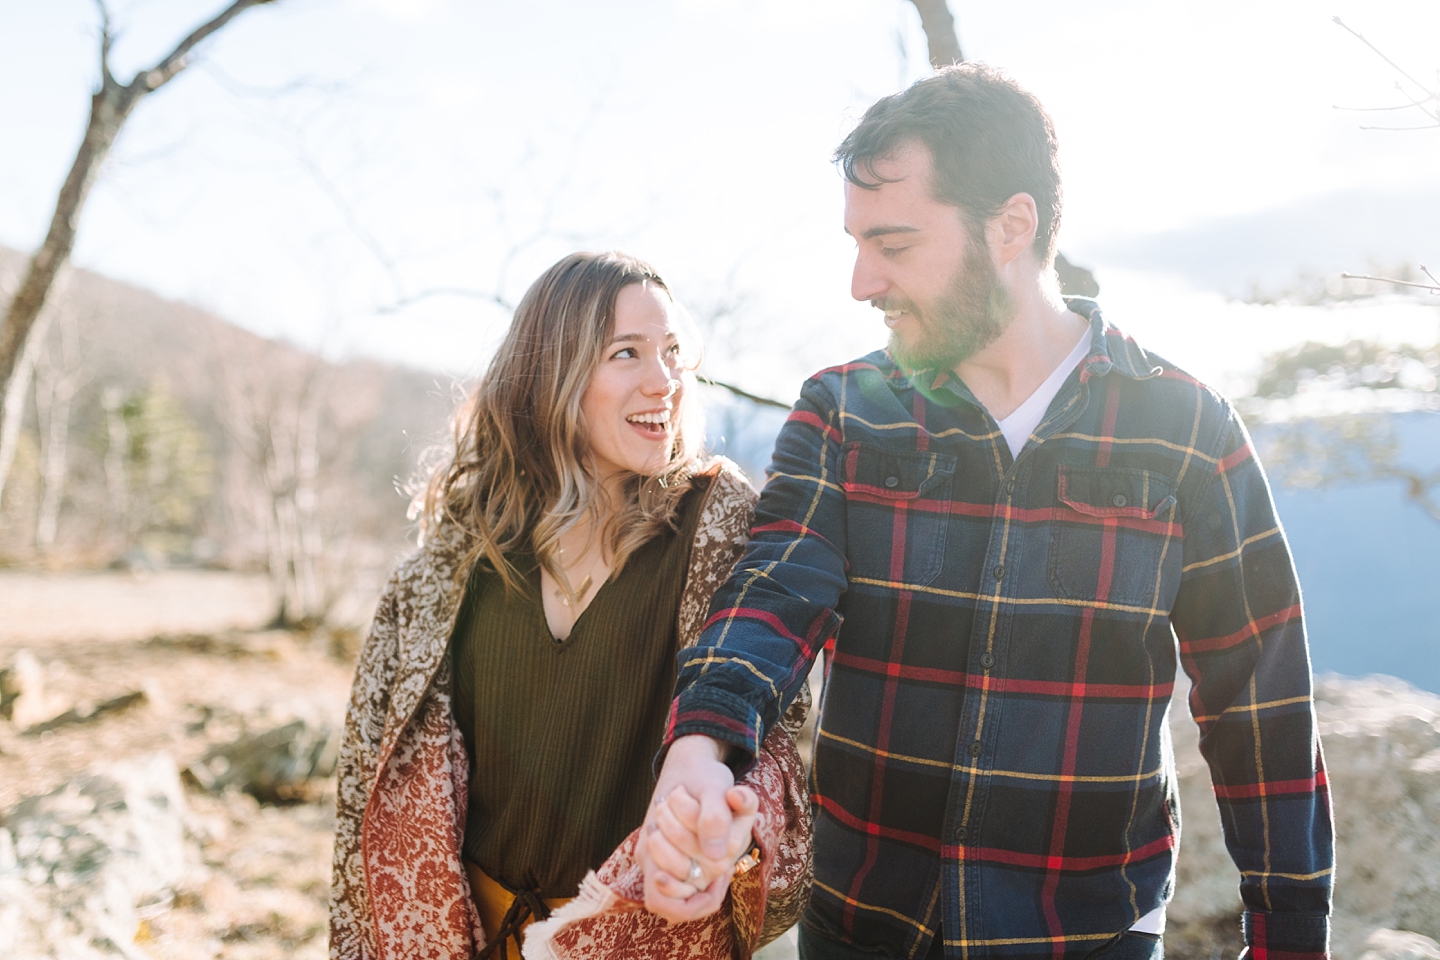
<point>131,731</point>
<point>94,810</point>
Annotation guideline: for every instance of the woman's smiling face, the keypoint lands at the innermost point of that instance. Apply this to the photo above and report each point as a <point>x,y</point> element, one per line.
<point>632,405</point>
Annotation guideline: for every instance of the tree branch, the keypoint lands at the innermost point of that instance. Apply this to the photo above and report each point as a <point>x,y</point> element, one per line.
<point>1398,69</point>
<point>107,40</point>
<point>110,107</point>
<point>1432,287</point>
<point>745,394</point>
<point>178,59</point>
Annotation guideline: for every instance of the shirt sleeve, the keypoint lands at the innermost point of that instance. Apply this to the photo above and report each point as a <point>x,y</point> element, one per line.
<point>776,611</point>
<point>1242,641</point>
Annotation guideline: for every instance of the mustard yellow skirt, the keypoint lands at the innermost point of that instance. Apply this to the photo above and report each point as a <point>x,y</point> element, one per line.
<point>493,902</point>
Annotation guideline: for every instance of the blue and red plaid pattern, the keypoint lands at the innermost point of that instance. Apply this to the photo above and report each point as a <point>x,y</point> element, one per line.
<point>993,757</point>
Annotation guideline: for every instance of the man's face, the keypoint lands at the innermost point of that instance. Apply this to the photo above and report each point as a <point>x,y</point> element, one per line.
<point>917,261</point>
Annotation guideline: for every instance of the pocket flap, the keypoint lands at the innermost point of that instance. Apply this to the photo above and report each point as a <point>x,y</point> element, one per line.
<point>871,471</point>
<point>1115,491</point>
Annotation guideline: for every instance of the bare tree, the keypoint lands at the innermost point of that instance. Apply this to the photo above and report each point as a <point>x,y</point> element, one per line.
<point>110,106</point>
<point>1418,98</point>
<point>294,430</point>
<point>59,373</point>
<point>940,32</point>
<point>944,44</point>
<point>12,415</point>
<point>117,443</point>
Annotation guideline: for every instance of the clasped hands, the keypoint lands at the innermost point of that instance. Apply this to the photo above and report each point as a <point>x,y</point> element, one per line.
<point>698,825</point>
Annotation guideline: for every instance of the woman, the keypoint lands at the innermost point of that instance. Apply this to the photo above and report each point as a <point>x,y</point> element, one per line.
<point>514,688</point>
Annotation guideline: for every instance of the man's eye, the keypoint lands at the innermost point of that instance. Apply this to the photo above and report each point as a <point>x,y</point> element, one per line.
<point>893,251</point>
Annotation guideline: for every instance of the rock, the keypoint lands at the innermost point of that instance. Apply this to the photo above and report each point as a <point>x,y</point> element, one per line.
<point>1399,945</point>
<point>88,712</point>
<point>287,764</point>
<point>24,700</point>
<point>83,866</point>
<point>1382,750</point>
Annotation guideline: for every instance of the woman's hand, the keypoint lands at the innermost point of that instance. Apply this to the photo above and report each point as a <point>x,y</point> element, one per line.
<point>698,825</point>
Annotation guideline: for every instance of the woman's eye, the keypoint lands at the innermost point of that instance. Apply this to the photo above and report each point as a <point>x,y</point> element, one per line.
<point>674,350</point>
<point>626,354</point>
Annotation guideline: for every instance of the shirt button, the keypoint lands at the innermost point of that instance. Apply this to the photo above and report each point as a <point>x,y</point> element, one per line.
<point>1119,500</point>
<point>1009,487</point>
<point>987,660</point>
<point>892,481</point>
<point>960,833</point>
<point>975,749</point>
<point>999,571</point>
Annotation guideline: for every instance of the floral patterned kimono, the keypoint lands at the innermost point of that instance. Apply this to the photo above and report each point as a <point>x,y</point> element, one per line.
<point>400,891</point>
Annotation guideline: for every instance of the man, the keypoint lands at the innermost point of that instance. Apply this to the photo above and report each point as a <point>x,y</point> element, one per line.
<point>1009,511</point>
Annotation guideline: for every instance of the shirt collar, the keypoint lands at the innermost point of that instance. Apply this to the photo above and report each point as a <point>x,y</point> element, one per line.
<point>1110,349</point>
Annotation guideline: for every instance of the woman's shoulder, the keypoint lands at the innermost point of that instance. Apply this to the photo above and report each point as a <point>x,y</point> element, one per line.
<point>726,503</point>
<point>721,479</point>
<point>429,574</point>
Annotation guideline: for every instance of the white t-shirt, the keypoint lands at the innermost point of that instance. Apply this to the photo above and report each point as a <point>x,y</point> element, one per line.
<point>1017,429</point>
<point>1019,425</point>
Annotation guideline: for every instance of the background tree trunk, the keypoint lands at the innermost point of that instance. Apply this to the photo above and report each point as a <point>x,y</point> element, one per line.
<point>59,372</point>
<point>944,42</point>
<point>940,33</point>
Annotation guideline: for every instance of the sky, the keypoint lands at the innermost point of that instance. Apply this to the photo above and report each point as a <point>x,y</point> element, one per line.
<point>369,176</point>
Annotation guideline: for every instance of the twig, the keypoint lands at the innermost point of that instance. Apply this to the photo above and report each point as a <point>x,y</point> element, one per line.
<point>745,394</point>
<point>1398,69</point>
<point>1432,287</point>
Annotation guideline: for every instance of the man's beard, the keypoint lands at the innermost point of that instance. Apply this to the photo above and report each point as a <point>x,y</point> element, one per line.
<point>969,316</point>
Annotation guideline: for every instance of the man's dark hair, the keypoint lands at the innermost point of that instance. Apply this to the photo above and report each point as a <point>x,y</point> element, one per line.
<point>988,138</point>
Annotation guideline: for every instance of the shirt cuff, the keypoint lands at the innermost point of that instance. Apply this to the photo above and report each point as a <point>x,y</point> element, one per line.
<point>1286,936</point>
<point>719,715</point>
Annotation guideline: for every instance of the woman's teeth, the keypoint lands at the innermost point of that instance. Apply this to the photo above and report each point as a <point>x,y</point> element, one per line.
<point>651,421</point>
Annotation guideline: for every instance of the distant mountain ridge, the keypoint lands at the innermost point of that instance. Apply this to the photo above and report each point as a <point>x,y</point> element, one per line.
<point>1331,233</point>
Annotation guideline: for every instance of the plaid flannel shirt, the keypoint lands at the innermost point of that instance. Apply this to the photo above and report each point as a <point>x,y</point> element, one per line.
<point>993,758</point>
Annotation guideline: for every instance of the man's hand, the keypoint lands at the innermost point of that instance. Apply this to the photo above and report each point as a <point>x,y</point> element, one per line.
<point>698,824</point>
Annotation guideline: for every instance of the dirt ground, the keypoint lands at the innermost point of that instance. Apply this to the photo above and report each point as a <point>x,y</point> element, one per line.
<point>191,642</point>
<point>44,608</point>
<point>174,636</point>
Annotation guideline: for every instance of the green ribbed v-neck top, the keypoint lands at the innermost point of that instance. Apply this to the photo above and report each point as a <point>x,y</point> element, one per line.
<point>561,734</point>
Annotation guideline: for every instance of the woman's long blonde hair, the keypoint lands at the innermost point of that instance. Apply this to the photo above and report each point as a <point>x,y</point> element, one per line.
<point>520,471</point>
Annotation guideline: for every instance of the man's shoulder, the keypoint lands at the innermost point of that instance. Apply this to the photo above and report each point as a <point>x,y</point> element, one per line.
<point>1160,381</point>
<point>875,370</point>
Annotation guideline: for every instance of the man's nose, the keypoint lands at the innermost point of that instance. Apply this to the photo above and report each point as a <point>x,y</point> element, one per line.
<point>866,282</point>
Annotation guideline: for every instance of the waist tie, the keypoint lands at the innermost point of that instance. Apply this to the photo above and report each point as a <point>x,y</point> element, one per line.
<point>504,914</point>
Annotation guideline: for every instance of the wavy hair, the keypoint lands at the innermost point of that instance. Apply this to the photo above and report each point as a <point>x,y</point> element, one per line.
<point>520,470</point>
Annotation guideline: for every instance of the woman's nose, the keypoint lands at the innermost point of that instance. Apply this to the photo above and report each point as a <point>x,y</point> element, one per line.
<point>660,380</point>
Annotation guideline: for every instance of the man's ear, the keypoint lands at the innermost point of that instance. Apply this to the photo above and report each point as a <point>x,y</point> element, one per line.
<point>1012,230</point>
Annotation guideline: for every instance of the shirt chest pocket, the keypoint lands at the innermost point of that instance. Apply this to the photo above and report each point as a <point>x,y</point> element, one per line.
<point>1115,537</point>
<point>897,508</point>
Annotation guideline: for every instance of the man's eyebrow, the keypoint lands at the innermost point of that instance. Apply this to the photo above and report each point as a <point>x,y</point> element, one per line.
<point>885,230</point>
